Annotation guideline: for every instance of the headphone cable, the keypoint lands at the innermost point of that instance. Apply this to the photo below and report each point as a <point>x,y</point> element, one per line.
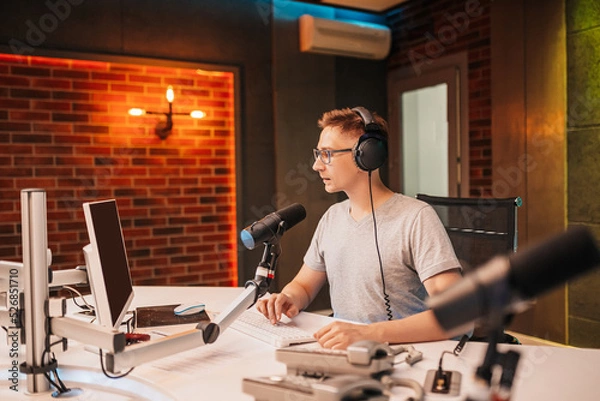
<point>386,297</point>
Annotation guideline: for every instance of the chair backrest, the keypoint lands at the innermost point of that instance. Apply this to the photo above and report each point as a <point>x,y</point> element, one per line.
<point>479,228</point>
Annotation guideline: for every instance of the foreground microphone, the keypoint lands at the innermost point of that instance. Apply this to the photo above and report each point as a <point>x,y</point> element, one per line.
<point>500,286</point>
<point>271,227</point>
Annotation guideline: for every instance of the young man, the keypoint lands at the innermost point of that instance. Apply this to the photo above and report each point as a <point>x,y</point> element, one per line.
<point>379,274</point>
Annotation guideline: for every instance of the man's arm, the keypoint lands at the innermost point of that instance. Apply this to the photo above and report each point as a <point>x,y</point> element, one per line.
<point>416,328</point>
<point>438,283</point>
<point>421,326</point>
<point>294,297</point>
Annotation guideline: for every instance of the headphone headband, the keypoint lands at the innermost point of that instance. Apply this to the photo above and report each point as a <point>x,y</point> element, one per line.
<point>365,115</point>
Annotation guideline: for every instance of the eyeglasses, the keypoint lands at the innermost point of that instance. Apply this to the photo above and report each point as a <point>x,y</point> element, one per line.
<point>325,154</point>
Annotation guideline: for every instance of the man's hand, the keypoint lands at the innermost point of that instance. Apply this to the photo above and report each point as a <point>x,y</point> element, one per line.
<point>339,335</point>
<point>294,297</point>
<point>276,305</point>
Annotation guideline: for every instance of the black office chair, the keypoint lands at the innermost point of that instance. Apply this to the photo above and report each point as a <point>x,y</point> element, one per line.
<point>479,229</point>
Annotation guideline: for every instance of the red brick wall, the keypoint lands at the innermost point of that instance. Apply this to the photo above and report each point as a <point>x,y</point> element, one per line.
<point>64,127</point>
<point>425,31</point>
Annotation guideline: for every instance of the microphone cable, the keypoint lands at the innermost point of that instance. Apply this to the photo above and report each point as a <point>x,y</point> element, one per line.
<point>386,297</point>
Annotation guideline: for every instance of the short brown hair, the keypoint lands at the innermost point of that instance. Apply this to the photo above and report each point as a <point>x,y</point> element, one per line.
<point>349,122</point>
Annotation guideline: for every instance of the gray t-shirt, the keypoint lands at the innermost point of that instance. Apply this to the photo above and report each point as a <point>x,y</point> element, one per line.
<point>413,244</point>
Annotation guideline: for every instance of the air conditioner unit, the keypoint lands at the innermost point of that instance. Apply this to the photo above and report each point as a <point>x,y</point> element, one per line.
<point>344,38</point>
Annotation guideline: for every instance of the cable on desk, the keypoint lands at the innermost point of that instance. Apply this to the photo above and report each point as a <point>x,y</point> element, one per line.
<point>390,382</point>
<point>108,374</point>
<point>442,378</point>
<point>129,331</point>
<point>413,356</point>
<point>457,350</point>
<point>58,384</point>
<point>86,306</point>
<point>129,323</point>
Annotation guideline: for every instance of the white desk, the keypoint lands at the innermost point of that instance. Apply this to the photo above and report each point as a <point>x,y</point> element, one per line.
<point>215,371</point>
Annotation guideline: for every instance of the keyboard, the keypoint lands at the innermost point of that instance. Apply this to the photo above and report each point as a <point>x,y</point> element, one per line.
<point>278,335</point>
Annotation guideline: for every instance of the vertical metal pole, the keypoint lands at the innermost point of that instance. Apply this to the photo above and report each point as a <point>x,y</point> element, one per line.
<point>35,267</point>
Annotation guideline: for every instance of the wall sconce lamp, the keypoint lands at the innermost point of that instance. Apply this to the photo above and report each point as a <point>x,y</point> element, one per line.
<point>163,128</point>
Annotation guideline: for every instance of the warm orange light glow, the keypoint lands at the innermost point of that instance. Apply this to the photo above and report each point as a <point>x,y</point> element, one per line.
<point>125,138</point>
<point>197,114</point>
<point>137,111</point>
<point>200,71</point>
<point>170,94</point>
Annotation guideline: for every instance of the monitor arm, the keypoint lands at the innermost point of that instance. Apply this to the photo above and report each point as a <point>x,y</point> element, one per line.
<point>203,333</point>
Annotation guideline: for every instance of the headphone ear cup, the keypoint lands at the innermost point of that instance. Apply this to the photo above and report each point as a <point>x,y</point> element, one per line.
<point>370,152</point>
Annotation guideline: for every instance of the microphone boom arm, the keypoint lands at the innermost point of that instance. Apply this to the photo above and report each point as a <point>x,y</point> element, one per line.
<point>204,333</point>
<point>255,288</point>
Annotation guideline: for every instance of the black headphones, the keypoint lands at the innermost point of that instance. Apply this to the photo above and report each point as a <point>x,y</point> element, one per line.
<point>371,150</point>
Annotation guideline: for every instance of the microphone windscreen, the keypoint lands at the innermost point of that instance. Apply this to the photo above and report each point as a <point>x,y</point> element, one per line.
<point>292,215</point>
<point>271,227</point>
<point>553,262</point>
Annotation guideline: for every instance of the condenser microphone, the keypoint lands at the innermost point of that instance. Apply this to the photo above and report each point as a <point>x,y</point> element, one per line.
<point>270,229</point>
<point>500,286</point>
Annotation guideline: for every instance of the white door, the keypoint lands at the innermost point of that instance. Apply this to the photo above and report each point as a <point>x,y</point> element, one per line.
<point>425,141</point>
<point>428,124</point>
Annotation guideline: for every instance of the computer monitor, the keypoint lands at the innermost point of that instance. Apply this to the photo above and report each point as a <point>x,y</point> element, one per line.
<point>106,263</point>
